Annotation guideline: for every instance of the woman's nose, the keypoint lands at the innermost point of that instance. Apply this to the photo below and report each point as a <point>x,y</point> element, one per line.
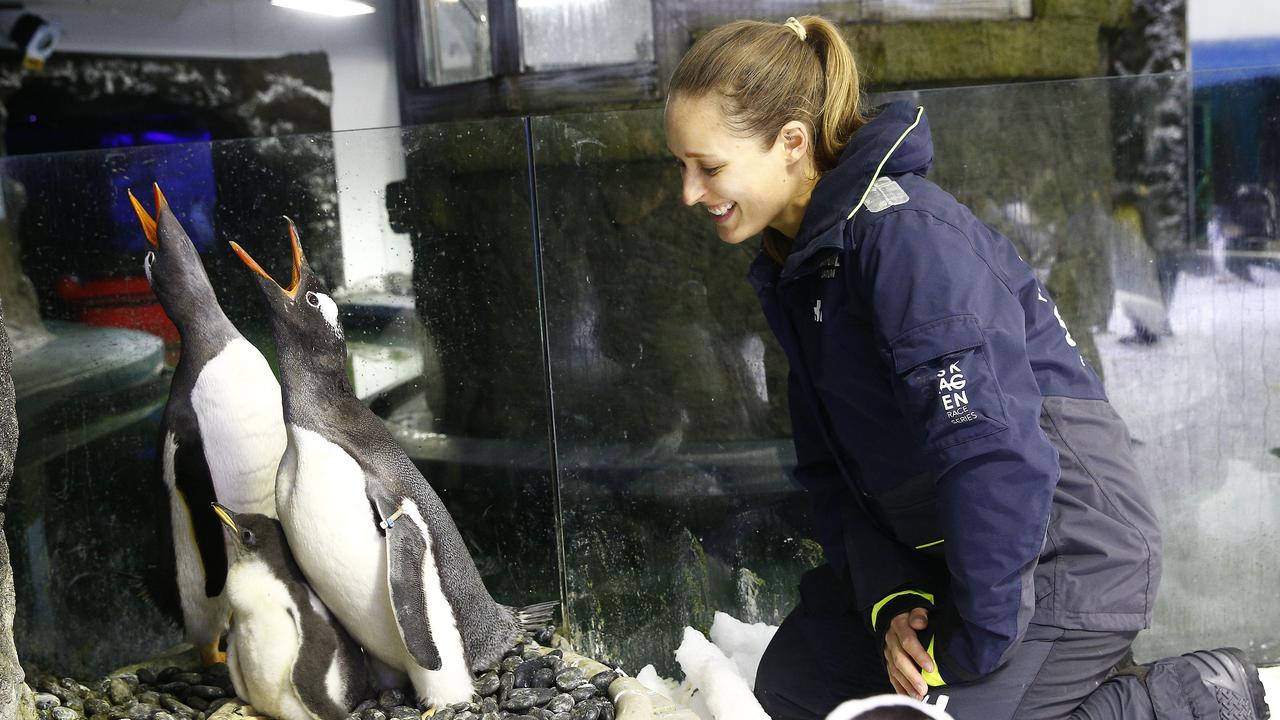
<point>693,189</point>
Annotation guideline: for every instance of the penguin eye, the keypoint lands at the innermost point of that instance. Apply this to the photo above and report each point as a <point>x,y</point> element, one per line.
<point>313,300</point>
<point>246,538</point>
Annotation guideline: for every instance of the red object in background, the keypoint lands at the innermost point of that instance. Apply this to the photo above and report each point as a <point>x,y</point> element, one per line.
<point>124,302</point>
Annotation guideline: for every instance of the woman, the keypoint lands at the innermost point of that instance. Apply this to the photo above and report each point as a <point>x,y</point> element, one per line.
<point>989,540</point>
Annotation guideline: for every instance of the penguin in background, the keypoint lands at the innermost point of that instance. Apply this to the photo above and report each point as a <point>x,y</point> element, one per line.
<point>223,429</point>
<point>372,537</point>
<point>288,656</point>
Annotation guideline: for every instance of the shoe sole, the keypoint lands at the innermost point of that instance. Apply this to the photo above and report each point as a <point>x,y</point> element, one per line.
<point>1240,670</point>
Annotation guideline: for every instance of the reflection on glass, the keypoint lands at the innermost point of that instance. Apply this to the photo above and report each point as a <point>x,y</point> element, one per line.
<point>454,40</point>
<point>558,34</point>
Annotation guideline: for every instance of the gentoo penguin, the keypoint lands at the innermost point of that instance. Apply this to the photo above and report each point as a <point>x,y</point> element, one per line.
<point>288,656</point>
<point>369,533</point>
<point>223,429</point>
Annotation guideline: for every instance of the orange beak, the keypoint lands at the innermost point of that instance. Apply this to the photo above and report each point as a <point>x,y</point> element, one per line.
<point>148,222</point>
<point>292,290</point>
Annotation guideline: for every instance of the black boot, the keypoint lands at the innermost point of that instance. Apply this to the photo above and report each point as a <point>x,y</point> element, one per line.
<point>1233,680</point>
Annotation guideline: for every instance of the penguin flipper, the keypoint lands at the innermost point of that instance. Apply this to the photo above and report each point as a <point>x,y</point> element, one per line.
<point>406,556</point>
<point>195,487</point>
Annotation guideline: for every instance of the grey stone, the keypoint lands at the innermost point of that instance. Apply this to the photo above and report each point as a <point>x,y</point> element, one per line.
<point>173,704</point>
<point>119,691</point>
<point>63,713</point>
<point>45,701</point>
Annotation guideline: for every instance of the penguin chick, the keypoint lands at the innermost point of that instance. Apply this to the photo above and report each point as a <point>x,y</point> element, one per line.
<point>288,656</point>
<point>400,577</point>
<point>222,434</point>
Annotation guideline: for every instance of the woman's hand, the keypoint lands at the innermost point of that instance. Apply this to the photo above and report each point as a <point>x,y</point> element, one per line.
<point>904,656</point>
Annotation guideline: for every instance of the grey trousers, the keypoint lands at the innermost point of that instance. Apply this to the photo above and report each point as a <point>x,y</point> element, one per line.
<point>822,656</point>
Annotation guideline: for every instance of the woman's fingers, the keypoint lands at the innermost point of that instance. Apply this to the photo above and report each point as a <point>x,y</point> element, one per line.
<point>911,646</point>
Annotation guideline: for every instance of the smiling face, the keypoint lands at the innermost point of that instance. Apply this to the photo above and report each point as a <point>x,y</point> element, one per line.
<point>744,183</point>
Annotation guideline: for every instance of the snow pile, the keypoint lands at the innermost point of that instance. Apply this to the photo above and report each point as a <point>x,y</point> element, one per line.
<point>744,644</point>
<point>716,679</point>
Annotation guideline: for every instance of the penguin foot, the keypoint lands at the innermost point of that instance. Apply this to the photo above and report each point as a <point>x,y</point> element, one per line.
<point>211,655</point>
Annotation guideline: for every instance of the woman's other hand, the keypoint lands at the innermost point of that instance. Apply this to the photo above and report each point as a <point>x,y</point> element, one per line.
<point>904,655</point>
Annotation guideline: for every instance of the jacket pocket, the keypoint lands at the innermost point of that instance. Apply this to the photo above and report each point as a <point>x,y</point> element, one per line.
<point>945,382</point>
<point>911,512</point>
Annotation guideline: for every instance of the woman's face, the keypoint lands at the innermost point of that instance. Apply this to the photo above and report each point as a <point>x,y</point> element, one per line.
<point>743,184</point>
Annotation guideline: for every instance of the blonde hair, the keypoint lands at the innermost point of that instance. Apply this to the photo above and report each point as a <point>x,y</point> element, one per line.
<point>769,74</point>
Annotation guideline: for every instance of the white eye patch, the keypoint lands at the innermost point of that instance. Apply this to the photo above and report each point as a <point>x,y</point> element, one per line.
<point>328,308</point>
<point>146,265</point>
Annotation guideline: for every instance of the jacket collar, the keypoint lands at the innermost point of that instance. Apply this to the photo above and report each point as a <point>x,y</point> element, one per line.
<point>895,142</point>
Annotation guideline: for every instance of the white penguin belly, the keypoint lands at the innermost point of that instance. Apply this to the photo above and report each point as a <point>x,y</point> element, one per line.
<point>203,617</point>
<point>237,402</point>
<point>264,642</point>
<point>330,527</point>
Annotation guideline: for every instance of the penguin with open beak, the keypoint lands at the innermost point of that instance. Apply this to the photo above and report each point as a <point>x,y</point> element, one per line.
<point>223,429</point>
<point>288,656</point>
<point>370,534</point>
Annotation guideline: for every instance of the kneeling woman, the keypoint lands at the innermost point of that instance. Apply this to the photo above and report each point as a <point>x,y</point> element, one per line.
<point>989,540</point>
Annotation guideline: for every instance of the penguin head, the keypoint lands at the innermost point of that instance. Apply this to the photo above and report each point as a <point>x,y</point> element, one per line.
<point>253,536</point>
<point>173,265</point>
<point>304,318</point>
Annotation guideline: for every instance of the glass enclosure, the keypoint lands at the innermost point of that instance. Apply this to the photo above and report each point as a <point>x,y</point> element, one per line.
<point>581,370</point>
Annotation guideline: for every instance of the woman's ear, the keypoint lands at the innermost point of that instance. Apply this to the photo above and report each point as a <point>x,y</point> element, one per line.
<point>795,141</point>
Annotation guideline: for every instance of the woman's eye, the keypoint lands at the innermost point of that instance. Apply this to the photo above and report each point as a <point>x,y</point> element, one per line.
<point>713,171</point>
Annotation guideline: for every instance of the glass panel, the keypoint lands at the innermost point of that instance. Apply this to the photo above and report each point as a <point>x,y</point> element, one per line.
<point>668,391</point>
<point>454,40</point>
<point>442,333</point>
<point>669,400</point>
<point>571,33</point>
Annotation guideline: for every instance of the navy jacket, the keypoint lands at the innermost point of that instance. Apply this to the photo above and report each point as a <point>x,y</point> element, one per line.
<point>960,453</point>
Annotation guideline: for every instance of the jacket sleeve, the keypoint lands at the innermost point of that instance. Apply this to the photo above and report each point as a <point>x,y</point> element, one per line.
<point>884,577</point>
<point>953,334</point>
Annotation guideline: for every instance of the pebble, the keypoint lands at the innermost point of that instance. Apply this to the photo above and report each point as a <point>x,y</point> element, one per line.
<point>373,713</point>
<point>189,678</point>
<point>525,672</point>
<point>570,678</point>
<point>488,684</point>
<point>162,715</point>
<point>208,692</point>
<point>584,692</point>
<point>561,703</point>
<point>445,714</point>
<point>149,697</point>
<point>130,679</point>
<point>401,712</point>
<point>488,706</point>
<point>141,711</point>
<point>96,706</point>
<point>466,715</point>
<point>528,655</point>
<point>364,706</point>
<point>544,678</point>
<point>147,676</point>
<point>544,635</point>
<point>585,711</point>
<point>213,706</point>
<point>63,713</point>
<point>198,703</point>
<point>522,699</point>
<point>603,679</point>
<point>606,709</point>
<point>506,683</point>
<point>560,716</point>
<point>119,692</point>
<point>388,699</point>
<point>75,704</point>
<point>47,701</point>
<point>174,688</point>
<point>460,707</point>
<point>169,673</point>
<point>510,663</point>
<point>173,704</point>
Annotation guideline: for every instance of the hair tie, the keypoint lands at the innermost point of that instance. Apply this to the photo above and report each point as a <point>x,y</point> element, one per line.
<point>794,24</point>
